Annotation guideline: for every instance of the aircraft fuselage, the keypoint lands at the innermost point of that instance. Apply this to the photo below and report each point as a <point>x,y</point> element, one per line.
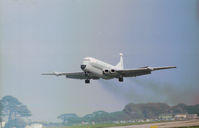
<point>99,68</point>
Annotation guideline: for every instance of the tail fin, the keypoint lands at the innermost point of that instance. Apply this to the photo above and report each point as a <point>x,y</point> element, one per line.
<point>120,64</point>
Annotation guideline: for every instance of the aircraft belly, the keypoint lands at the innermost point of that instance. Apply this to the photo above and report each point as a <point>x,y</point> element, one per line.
<point>98,72</point>
<point>95,71</point>
<point>107,77</point>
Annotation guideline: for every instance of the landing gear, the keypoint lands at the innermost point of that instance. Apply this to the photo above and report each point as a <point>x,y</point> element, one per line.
<point>120,79</point>
<point>87,81</point>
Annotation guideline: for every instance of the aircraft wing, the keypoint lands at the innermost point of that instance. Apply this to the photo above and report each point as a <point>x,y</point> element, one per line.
<point>74,75</point>
<point>140,71</point>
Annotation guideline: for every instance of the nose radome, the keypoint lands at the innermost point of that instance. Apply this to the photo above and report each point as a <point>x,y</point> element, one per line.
<point>83,67</point>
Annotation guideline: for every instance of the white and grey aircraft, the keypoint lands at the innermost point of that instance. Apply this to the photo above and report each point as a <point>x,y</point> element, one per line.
<point>95,69</point>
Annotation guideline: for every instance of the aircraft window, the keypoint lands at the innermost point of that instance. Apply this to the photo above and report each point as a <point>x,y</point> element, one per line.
<point>86,59</point>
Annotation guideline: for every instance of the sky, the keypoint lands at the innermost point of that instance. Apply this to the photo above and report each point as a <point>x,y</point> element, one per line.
<point>38,36</point>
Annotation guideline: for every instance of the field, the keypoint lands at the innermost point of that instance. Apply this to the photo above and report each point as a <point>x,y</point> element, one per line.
<point>107,125</point>
<point>173,124</point>
<point>97,125</point>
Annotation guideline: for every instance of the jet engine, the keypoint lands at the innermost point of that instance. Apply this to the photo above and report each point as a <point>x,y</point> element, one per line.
<point>106,72</point>
<point>113,71</point>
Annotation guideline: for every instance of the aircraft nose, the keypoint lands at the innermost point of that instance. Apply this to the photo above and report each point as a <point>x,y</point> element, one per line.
<point>83,67</point>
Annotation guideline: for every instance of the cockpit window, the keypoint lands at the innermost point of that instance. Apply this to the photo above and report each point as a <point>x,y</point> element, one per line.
<point>87,59</point>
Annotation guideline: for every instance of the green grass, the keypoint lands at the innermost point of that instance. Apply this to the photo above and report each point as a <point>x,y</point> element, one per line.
<point>107,125</point>
<point>190,127</point>
<point>114,125</point>
<point>104,125</point>
<point>96,125</point>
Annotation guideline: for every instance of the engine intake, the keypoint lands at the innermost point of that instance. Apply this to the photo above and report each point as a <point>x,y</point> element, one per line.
<point>106,71</point>
<point>113,71</point>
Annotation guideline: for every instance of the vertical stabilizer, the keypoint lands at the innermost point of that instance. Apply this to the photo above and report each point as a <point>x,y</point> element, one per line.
<point>120,64</point>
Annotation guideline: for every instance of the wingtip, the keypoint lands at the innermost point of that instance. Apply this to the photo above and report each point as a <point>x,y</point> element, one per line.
<point>48,74</point>
<point>44,74</point>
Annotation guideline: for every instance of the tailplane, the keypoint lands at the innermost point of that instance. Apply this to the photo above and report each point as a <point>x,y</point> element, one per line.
<point>120,64</point>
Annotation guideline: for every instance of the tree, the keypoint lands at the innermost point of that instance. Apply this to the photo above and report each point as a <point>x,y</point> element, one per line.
<point>69,118</point>
<point>1,107</point>
<point>18,123</point>
<point>14,108</point>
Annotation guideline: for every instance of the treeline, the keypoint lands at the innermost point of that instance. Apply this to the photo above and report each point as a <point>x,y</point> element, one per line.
<point>13,112</point>
<point>1,108</point>
<point>97,117</point>
<point>130,112</point>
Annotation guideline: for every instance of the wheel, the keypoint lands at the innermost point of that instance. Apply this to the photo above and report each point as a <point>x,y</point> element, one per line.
<point>87,81</point>
<point>121,79</point>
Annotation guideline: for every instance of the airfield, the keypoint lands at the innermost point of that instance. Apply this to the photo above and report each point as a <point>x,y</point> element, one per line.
<point>175,124</point>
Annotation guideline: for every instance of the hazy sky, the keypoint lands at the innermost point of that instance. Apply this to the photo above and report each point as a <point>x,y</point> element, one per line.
<point>39,36</point>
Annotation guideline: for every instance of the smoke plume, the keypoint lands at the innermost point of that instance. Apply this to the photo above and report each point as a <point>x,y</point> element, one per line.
<point>139,90</point>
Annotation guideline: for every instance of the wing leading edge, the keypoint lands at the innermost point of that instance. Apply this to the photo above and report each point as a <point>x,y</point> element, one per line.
<point>140,71</point>
<point>74,75</point>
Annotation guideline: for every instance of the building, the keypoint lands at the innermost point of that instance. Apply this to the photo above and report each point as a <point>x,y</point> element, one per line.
<point>186,116</point>
<point>180,116</point>
<point>2,124</point>
<point>84,123</point>
<point>34,126</point>
<point>165,117</point>
<point>192,116</point>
